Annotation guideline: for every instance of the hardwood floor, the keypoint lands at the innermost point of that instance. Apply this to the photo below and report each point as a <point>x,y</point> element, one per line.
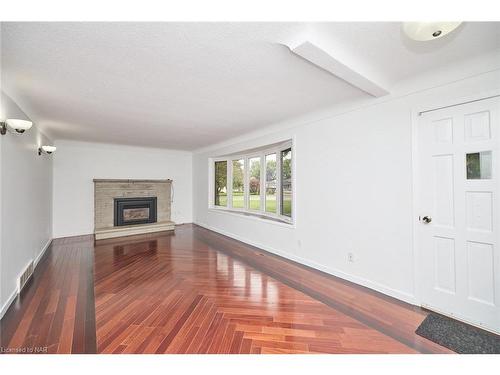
<point>55,311</point>
<point>196,291</point>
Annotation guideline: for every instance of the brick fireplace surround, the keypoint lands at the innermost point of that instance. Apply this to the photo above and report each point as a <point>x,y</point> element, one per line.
<point>106,190</point>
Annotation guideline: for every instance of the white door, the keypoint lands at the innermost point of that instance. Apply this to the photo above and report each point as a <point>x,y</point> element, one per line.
<point>458,200</point>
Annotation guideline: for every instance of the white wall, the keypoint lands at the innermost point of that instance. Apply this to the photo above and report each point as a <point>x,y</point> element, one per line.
<point>353,190</point>
<point>76,164</point>
<point>26,200</point>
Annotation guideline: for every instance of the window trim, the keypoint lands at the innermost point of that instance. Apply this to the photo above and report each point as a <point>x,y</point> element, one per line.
<point>246,156</point>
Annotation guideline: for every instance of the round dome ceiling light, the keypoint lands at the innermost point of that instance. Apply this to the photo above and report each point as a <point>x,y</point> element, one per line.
<point>423,31</point>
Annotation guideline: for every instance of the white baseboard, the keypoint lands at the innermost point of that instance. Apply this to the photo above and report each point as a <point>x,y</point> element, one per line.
<point>68,235</point>
<point>7,303</point>
<point>40,255</point>
<point>384,289</point>
<point>13,296</point>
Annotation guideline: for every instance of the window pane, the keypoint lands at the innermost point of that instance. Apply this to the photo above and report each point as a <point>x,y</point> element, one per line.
<point>271,183</point>
<point>254,183</point>
<point>286,182</point>
<point>479,165</point>
<point>238,178</point>
<point>220,183</point>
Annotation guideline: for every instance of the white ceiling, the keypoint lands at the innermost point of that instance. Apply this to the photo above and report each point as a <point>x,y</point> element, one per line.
<point>188,85</point>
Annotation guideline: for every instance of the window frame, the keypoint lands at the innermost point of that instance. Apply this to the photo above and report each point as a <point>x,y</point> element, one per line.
<point>246,156</point>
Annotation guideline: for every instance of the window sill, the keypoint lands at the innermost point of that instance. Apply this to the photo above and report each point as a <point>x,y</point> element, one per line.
<point>254,216</point>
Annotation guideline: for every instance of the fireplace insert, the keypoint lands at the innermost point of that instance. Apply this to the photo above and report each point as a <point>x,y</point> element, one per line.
<point>132,211</point>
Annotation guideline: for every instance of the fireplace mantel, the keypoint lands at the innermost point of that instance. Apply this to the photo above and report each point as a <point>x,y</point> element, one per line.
<point>107,190</point>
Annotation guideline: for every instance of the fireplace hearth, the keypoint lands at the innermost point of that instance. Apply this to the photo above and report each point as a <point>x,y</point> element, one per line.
<point>134,211</point>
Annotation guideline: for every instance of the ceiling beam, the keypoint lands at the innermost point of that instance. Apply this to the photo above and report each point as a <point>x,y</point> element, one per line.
<point>319,57</point>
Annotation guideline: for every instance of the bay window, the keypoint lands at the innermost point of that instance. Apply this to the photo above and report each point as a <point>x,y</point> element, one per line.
<point>258,182</point>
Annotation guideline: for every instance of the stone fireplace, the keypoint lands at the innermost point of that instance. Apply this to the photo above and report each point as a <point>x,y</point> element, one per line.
<point>129,207</point>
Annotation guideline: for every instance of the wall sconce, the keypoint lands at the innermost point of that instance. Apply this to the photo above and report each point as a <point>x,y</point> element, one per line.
<point>15,126</point>
<point>46,150</point>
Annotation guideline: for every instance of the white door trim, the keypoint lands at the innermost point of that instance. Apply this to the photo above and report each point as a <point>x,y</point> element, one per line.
<point>415,117</point>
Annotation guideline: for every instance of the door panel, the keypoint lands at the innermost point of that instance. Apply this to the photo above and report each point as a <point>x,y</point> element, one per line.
<point>445,264</point>
<point>444,190</point>
<point>458,188</point>
<point>479,211</point>
<point>477,126</point>
<point>481,278</point>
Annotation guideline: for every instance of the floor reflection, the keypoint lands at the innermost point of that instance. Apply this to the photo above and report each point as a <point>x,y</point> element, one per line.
<point>251,284</point>
<point>141,248</point>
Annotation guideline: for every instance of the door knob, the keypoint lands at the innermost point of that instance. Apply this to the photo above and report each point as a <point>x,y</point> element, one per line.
<point>427,219</point>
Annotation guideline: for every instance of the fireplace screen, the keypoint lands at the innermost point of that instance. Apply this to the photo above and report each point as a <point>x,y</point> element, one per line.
<point>132,214</point>
<point>131,211</point>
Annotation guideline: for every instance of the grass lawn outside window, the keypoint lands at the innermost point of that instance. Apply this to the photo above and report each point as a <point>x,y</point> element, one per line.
<point>255,202</point>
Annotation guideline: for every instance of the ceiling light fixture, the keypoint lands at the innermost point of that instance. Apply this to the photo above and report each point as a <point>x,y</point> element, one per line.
<point>423,31</point>
<point>46,150</point>
<point>15,126</point>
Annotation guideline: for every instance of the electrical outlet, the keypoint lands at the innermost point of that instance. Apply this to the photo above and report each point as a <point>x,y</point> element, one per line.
<point>350,257</point>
